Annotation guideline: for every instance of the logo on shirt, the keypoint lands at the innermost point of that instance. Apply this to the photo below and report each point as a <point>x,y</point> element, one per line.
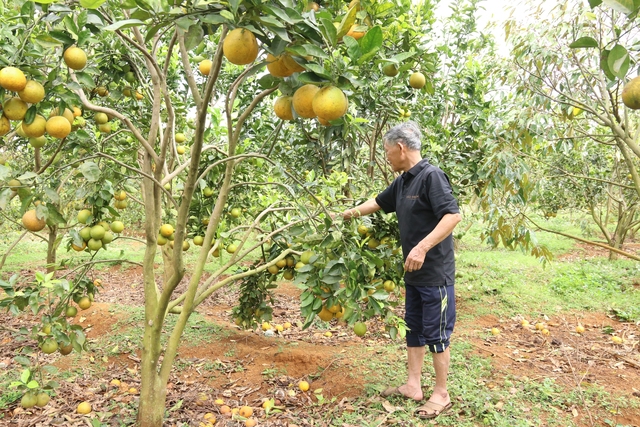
<point>413,197</point>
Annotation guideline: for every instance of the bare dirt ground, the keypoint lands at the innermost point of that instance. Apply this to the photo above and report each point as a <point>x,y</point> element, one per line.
<point>247,367</point>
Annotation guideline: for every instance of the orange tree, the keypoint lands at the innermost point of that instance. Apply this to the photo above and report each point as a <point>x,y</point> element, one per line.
<point>173,100</point>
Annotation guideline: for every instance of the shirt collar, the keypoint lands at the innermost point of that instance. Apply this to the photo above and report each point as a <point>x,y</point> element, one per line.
<point>416,169</point>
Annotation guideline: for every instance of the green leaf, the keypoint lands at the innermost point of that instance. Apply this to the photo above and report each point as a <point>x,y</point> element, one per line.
<point>194,36</point>
<point>594,3</point>
<point>370,43</point>
<point>318,70</point>
<point>584,42</point>
<point>311,78</point>
<point>624,6</point>
<point>24,361</point>
<point>53,216</point>
<point>33,384</point>
<point>62,36</point>
<point>288,17</point>
<point>346,23</point>
<point>90,170</point>
<point>25,375</point>
<point>91,4</point>
<point>328,31</point>
<point>45,40</point>
<point>618,61</point>
<point>353,48</point>
<point>44,1</point>
<point>604,65</point>
<point>127,23</point>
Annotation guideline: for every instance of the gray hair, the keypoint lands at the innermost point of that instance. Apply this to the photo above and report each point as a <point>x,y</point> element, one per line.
<point>408,133</point>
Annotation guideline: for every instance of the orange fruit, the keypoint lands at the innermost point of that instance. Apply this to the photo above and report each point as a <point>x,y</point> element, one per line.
<point>330,103</point>
<point>5,126</point>
<point>15,108</point>
<point>390,70</point>
<point>282,108</point>
<point>353,32</point>
<point>205,66</point>
<point>75,58</point>
<point>31,222</point>
<point>240,47</point>
<point>83,408</point>
<point>12,79</point>
<point>630,93</point>
<point>49,346</point>
<point>303,100</point>
<point>67,114</point>
<point>102,91</point>
<point>42,399</point>
<point>250,423</point>
<point>36,128</point>
<point>303,385</point>
<point>360,329</point>
<point>292,64</point>
<point>77,112</point>
<point>245,411</point>
<point>323,122</point>
<point>84,303</point>
<point>224,409</point>
<point>58,127</point>
<point>32,93</point>
<point>29,400</point>
<point>277,66</point>
<point>417,80</point>
<point>166,230</point>
<point>325,314</point>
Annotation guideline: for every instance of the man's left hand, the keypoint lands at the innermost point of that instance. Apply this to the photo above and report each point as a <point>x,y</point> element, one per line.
<point>415,259</point>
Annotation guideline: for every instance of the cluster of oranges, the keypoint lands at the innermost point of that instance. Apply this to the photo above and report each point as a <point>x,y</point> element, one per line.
<point>96,235</point>
<point>30,93</point>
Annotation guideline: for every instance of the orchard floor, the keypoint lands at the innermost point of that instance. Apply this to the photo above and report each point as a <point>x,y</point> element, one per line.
<point>346,372</point>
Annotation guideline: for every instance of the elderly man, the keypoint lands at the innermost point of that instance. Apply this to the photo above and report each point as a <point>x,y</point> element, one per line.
<point>427,214</point>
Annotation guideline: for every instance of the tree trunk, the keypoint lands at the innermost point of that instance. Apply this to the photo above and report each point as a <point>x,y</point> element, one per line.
<point>153,397</point>
<point>51,249</point>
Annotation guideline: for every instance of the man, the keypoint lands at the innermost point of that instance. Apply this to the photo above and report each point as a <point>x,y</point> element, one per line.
<point>427,214</point>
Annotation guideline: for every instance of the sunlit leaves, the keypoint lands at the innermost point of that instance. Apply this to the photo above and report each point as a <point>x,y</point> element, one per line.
<point>584,42</point>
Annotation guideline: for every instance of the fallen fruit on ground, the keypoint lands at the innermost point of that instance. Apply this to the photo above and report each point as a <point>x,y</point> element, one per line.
<point>29,400</point>
<point>495,331</point>
<point>245,411</point>
<point>42,399</point>
<point>303,385</point>
<point>83,408</point>
<point>616,340</point>
<point>580,329</point>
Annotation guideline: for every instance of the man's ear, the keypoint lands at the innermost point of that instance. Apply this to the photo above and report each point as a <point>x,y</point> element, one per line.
<point>403,148</point>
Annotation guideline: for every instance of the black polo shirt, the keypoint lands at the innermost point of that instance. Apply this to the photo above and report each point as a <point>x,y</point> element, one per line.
<point>421,197</point>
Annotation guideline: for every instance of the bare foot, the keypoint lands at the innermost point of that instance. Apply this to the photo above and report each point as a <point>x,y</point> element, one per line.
<point>411,392</point>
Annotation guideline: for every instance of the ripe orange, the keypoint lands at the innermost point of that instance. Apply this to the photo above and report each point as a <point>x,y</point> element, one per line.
<point>250,422</point>
<point>355,33</point>
<point>12,79</point>
<point>417,80</point>
<point>303,385</point>
<point>102,91</point>
<point>32,93</point>
<point>292,64</point>
<point>282,108</point>
<point>180,149</point>
<point>84,303</point>
<point>84,408</point>
<point>31,222</point>
<point>630,93</point>
<point>5,126</point>
<point>580,329</point>
<point>240,47</point>
<point>205,66</point>
<point>75,58</point>
<point>36,128</point>
<point>166,230</point>
<point>58,127</point>
<point>330,103</point>
<point>277,66</point>
<point>120,195</point>
<point>303,100</point>
<point>15,108</point>
<point>224,409</point>
<point>67,114</point>
<point>323,122</point>
<point>77,112</point>
<point>325,314</point>
<point>245,411</point>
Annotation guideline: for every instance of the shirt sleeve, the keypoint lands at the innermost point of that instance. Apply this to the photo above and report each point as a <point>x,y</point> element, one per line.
<point>387,198</point>
<point>440,194</point>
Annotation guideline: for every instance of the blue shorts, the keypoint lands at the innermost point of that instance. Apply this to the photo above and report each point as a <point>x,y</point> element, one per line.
<point>430,316</point>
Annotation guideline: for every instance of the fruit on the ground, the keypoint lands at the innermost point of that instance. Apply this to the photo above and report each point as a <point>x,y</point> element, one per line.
<point>42,399</point>
<point>303,385</point>
<point>245,411</point>
<point>545,331</point>
<point>65,349</point>
<point>250,422</point>
<point>115,382</point>
<point>224,409</point>
<point>286,325</point>
<point>266,326</point>
<point>495,331</point>
<point>282,107</point>
<point>205,66</point>
<point>330,103</point>
<point>580,329</point>
<point>36,128</point>
<point>209,417</point>
<point>75,58</point>
<point>390,70</point>
<point>417,80</point>
<point>303,100</point>
<point>32,93</point>
<point>198,240</point>
<point>133,390</point>
<point>389,285</point>
<point>71,311</point>
<point>540,326</point>
<point>631,93</point>
<point>166,230</point>
<point>219,401</point>
<point>49,346</point>
<point>58,127</point>
<point>524,323</point>
<point>31,222</point>
<point>14,108</point>
<point>84,303</point>
<point>240,47</point>
<point>360,328</point>
<point>83,408</point>
<point>29,400</point>
<point>117,226</point>
<point>325,314</point>
<point>617,340</point>
<point>12,79</point>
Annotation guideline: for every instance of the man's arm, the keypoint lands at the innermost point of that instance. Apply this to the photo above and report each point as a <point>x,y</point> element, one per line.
<point>366,208</point>
<point>415,259</point>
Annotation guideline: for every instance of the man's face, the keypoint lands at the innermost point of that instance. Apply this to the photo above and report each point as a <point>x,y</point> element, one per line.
<point>394,153</point>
